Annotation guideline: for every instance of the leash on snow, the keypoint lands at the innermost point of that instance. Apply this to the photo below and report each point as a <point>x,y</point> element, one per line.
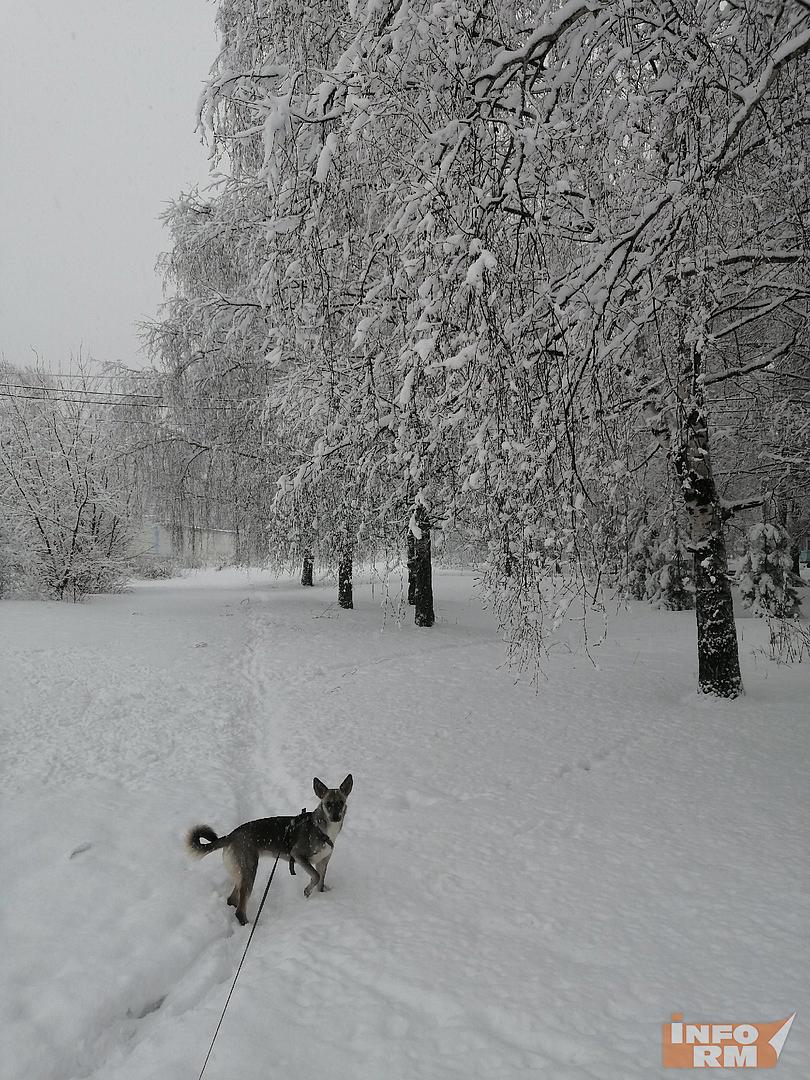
<point>244,954</point>
<point>236,976</point>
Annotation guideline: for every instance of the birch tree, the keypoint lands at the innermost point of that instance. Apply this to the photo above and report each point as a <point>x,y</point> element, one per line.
<point>512,253</point>
<point>600,166</point>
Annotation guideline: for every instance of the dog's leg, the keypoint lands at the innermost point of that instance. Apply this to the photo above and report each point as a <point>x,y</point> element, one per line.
<point>321,868</point>
<point>248,867</point>
<point>314,876</point>
<point>292,866</point>
<point>235,872</point>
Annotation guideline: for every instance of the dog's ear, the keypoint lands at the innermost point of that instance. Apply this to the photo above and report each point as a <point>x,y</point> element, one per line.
<point>320,787</point>
<point>346,786</point>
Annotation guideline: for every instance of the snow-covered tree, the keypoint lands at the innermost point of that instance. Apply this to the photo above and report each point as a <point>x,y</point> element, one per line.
<point>670,583</point>
<point>212,456</point>
<point>659,567</point>
<point>65,493</point>
<point>642,542</point>
<point>501,257</point>
<point>765,573</point>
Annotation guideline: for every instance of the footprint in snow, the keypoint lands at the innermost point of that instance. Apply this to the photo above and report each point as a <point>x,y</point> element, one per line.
<point>150,1007</point>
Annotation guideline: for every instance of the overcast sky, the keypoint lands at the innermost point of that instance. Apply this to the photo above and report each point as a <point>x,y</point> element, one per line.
<point>96,135</point>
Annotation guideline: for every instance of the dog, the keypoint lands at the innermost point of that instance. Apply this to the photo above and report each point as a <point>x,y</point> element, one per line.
<point>307,839</point>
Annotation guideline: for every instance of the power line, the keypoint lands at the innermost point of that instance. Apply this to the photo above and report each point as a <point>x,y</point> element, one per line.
<point>69,397</point>
<point>78,390</point>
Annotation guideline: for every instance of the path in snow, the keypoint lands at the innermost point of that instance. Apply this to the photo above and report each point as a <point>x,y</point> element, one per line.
<point>526,884</point>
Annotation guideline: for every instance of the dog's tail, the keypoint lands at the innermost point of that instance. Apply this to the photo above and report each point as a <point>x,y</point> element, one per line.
<point>202,839</point>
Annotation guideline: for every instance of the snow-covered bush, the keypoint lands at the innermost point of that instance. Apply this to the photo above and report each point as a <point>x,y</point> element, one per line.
<point>660,568</point>
<point>10,560</point>
<point>63,491</point>
<point>765,574</point>
<point>154,568</point>
<point>640,560</point>
<point>788,640</point>
<point>671,585</point>
<point>17,556</point>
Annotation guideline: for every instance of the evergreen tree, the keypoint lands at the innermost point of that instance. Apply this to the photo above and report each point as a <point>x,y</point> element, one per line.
<point>765,575</point>
<point>670,584</point>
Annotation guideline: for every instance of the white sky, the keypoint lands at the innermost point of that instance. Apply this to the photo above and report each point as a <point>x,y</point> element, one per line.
<point>97,118</point>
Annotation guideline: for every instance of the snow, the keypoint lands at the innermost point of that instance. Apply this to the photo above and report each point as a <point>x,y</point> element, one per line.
<point>528,883</point>
<point>325,157</point>
<point>406,391</point>
<point>475,273</point>
<point>413,528</point>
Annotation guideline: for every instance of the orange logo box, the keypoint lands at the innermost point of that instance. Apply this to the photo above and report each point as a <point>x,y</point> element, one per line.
<point>723,1046</point>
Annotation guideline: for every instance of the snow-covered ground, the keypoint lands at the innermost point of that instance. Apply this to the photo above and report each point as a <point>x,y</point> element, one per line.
<point>528,883</point>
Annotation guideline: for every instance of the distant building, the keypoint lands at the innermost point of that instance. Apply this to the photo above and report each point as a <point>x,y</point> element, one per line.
<point>804,557</point>
<point>196,547</point>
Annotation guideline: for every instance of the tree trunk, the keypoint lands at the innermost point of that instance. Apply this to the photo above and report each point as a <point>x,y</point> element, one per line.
<point>795,549</point>
<point>306,569</point>
<point>718,657</point>
<point>423,571</point>
<point>411,554</point>
<point>787,518</point>
<point>345,580</point>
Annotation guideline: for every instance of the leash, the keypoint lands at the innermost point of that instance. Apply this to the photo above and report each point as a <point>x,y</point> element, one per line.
<point>236,976</point>
<point>247,946</point>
